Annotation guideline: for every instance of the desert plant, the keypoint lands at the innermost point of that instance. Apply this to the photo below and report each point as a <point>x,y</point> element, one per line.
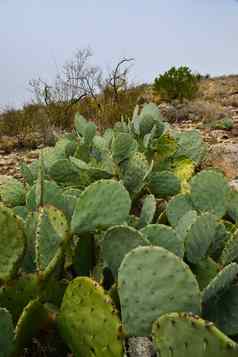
<point>177,83</point>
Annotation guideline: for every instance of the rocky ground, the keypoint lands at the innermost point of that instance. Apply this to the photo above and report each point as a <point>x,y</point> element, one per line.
<point>217,99</point>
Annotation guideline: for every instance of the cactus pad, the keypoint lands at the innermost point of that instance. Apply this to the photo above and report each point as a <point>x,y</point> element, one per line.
<point>164,236</point>
<point>230,251</point>
<point>185,223</point>
<point>7,334</point>
<point>164,184</point>
<point>12,191</point>
<point>209,192</point>
<point>123,147</point>
<point>33,318</point>
<point>221,282</point>
<point>177,207</point>
<point>190,145</point>
<point>117,242</point>
<point>101,204</point>
<point>186,335</point>
<point>151,282</point>
<point>220,300</point>
<point>200,236</point>
<point>147,211</point>
<point>88,321</point>
<point>51,232</point>
<point>12,243</point>
<point>16,295</point>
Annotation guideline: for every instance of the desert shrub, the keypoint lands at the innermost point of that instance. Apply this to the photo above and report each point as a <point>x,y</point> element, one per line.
<point>177,83</point>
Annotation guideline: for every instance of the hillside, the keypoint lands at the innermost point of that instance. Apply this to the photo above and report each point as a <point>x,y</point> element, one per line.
<point>216,101</point>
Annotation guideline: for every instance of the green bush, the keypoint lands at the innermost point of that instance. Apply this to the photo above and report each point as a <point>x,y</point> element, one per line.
<point>176,83</point>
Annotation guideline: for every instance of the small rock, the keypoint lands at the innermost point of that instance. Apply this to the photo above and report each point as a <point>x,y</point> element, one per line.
<point>234,184</point>
<point>224,156</point>
<point>140,347</point>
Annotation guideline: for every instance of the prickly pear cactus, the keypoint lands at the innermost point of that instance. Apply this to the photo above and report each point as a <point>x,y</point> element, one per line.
<point>33,318</point>
<point>210,192</point>
<point>151,282</point>
<point>164,184</point>
<point>185,223</point>
<point>123,147</point>
<point>52,232</point>
<point>7,338</point>
<point>165,237</point>
<point>148,211</point>
<point>185,335</point>
<point>177,207</point>
<point>16,295</point>
<point>220,300</point>
<point>117,242</point>
<point>190,145</point>
<point>88,322</point>
<point>101,204</point>
<point>12,191</point>
<point>12,243</point>
<point>200,237</point>
<point>230,251</point>
<point>133,172</point>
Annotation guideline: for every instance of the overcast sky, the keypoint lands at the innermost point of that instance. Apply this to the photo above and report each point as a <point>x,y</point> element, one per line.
<point>38,36</point>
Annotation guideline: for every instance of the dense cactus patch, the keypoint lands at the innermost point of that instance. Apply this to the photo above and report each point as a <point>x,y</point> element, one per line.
<point>117,235</point>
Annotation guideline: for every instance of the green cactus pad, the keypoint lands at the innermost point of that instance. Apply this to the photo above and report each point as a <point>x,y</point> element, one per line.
<point>190,145</point>
<point>33,318</point>
<point>52,195</point>
<point>186,335</point>
<point>223,311</point>
<point>151,282</point>
<point>64,172</point>
<point>101,204</point>
<point>26,173</point>
<point>230,251</point>
<point>93,173</point>
<point>185,223</point>
<point>200,237</point>
<point>222,236</point>
<point>7,338</point>
<point>12,191</point>
<point>84,255</point>
<point>220,300</point>
<point>123,147</point>
<point>89,133</point>
<point>52,231</point>
<point>117,242</point>
<point>232,206</point>
<point>205,271</point>
<point>80,124</point>
<point>177,207</point>
<point>221,283</point>
<point>88,321</point>
<point>147,211</point>
<point>29,264</point>
<point>166,147</point>
<point>209,192</point>
<point>164,184</point>
<point>12,243</point>
<point>16,295</point>
<point>165,237</point>
<point>21,211</point>
<point>134,171</point>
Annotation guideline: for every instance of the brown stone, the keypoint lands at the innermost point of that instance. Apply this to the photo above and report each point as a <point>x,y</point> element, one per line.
<point>224,156</point>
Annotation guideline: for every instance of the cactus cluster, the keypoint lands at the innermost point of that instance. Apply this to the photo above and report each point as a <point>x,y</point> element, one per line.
<point>117,235</point>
